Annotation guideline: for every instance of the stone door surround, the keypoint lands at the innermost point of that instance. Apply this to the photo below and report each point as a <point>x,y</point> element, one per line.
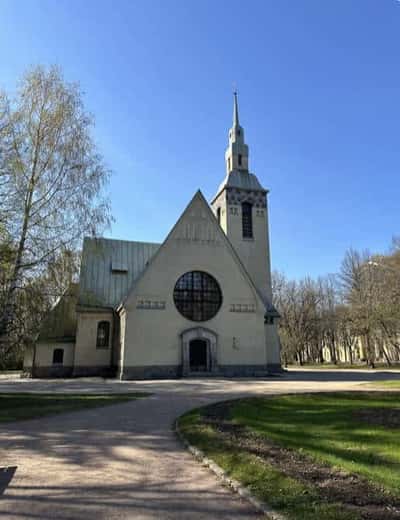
<point>199,333</point>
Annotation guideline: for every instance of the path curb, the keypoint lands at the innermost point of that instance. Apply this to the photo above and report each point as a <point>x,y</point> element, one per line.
<point>236,486</point>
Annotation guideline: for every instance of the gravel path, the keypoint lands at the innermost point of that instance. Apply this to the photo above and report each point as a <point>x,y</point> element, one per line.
<point>123,461</point>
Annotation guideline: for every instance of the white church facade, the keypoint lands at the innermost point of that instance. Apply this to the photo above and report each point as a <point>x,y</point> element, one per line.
<point>200,303</point>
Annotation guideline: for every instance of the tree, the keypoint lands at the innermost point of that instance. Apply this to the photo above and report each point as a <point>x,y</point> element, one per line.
<point>328,315</point>
<point>346,333</point>
<point>51,182</point>
<point>357,284</point>
<point>387,274</point>
<point>325,315</point>
<point>299,324</point>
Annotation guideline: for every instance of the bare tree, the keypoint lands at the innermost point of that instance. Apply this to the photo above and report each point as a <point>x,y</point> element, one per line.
<point>51,180</point>
<point>387,301</point>
<point>337,314</point>
<point>359,284</point>
<point>328,315</point>
<point>299,324</point>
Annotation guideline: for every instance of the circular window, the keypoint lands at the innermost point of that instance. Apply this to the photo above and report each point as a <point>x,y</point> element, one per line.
<point>197,296</point>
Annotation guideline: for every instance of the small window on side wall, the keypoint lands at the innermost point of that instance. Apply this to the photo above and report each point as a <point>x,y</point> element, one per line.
<point>219,216</point>
<point>247,220</point>
<point>58,356</point>
<point>103,334</point>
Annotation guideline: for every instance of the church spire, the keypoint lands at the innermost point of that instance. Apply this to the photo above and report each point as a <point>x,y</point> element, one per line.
<point>237,153</point>
<point>235,110</point>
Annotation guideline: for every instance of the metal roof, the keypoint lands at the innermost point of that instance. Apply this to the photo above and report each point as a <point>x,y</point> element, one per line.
<point>109,268</point>
<point>60,322</point>
<point>242,180</point>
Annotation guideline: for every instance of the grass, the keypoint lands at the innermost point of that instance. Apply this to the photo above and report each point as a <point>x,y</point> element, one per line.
<point>323,426</point>
<point>346,366</point>
<point>19,406</point>
<point>394,385</point>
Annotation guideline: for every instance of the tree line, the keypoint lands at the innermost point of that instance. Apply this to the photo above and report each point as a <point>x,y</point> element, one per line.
<point>352,316</point>
<point>52,181</point>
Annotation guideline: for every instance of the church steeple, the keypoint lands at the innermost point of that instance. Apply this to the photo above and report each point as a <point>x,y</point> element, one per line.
<point>237,153</point>
<point>235,110</point>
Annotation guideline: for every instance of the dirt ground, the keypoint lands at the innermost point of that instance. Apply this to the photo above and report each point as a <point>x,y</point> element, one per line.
<point>389,417</point>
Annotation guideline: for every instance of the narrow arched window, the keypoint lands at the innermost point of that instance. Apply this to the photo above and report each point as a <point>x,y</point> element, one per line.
<point>247,220</point>
<point>240,159</point>
<point>219,216</point>
<point>103,334</point>
<point>58,356</point>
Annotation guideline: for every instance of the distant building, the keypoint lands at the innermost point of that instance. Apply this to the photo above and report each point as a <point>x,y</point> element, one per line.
<point>199,303</point>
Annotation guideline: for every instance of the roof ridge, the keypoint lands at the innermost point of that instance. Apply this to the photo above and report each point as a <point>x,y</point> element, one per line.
<point>121,240</point>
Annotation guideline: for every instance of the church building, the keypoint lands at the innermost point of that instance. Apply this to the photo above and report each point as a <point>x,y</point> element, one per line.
<point>198,304</point>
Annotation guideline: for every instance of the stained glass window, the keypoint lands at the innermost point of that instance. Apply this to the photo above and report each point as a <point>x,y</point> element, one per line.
<point>197,296</point>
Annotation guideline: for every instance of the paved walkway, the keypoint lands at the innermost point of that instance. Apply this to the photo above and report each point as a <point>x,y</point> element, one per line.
<point>123,461</point>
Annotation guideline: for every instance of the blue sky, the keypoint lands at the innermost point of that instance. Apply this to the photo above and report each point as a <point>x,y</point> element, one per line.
<point>319,95</point>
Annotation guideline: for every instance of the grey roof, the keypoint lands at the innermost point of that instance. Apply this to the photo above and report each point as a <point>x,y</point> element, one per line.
<point>240,179</point>
<point>60,322</point>
<point>109,268</point>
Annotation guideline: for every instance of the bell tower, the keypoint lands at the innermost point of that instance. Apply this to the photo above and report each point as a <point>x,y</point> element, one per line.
<point>240,206</point>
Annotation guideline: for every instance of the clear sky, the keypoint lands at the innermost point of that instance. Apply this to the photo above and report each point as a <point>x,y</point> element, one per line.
<point>319,99</point>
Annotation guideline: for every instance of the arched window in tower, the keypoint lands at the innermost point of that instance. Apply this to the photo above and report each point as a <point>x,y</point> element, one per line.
<point>219,216</point>
<point>247,220</point>
<point>229,164</point>
<point>240,159</point>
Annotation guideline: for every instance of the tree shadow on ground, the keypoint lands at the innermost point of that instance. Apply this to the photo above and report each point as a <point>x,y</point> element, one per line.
<point>6,475</point>
<point>122,461</point>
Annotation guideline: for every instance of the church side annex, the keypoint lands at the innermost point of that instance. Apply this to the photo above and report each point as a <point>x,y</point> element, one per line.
<point>198,304</point>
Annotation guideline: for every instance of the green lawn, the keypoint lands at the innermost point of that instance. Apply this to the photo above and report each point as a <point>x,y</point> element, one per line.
<point>346,366</point>
<point>325,428</point>
<point>395,384</point>
<point>15,407</point>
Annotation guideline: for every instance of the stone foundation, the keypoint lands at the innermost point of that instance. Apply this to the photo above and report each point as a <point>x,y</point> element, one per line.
<point>155,371</point>
<point>275,368</point>
<point>152,372</point>
<point>91,371</point>
<point>176,371</point>
<point>51,371</point>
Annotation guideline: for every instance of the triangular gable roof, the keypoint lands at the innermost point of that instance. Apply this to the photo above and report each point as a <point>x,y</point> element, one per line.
<point>199,196</point>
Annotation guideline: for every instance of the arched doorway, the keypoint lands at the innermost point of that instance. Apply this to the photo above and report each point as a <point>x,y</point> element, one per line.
<point>199,351</point>
<point>198,355</point>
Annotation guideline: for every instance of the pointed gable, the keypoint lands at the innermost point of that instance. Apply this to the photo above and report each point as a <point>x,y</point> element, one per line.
<point>196,242</point>
<point>197,224</point>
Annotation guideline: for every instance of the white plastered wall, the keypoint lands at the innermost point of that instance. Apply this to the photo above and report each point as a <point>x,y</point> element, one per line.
<point>44,353</point>
<point>86,352</point>
<point>152,334</point>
